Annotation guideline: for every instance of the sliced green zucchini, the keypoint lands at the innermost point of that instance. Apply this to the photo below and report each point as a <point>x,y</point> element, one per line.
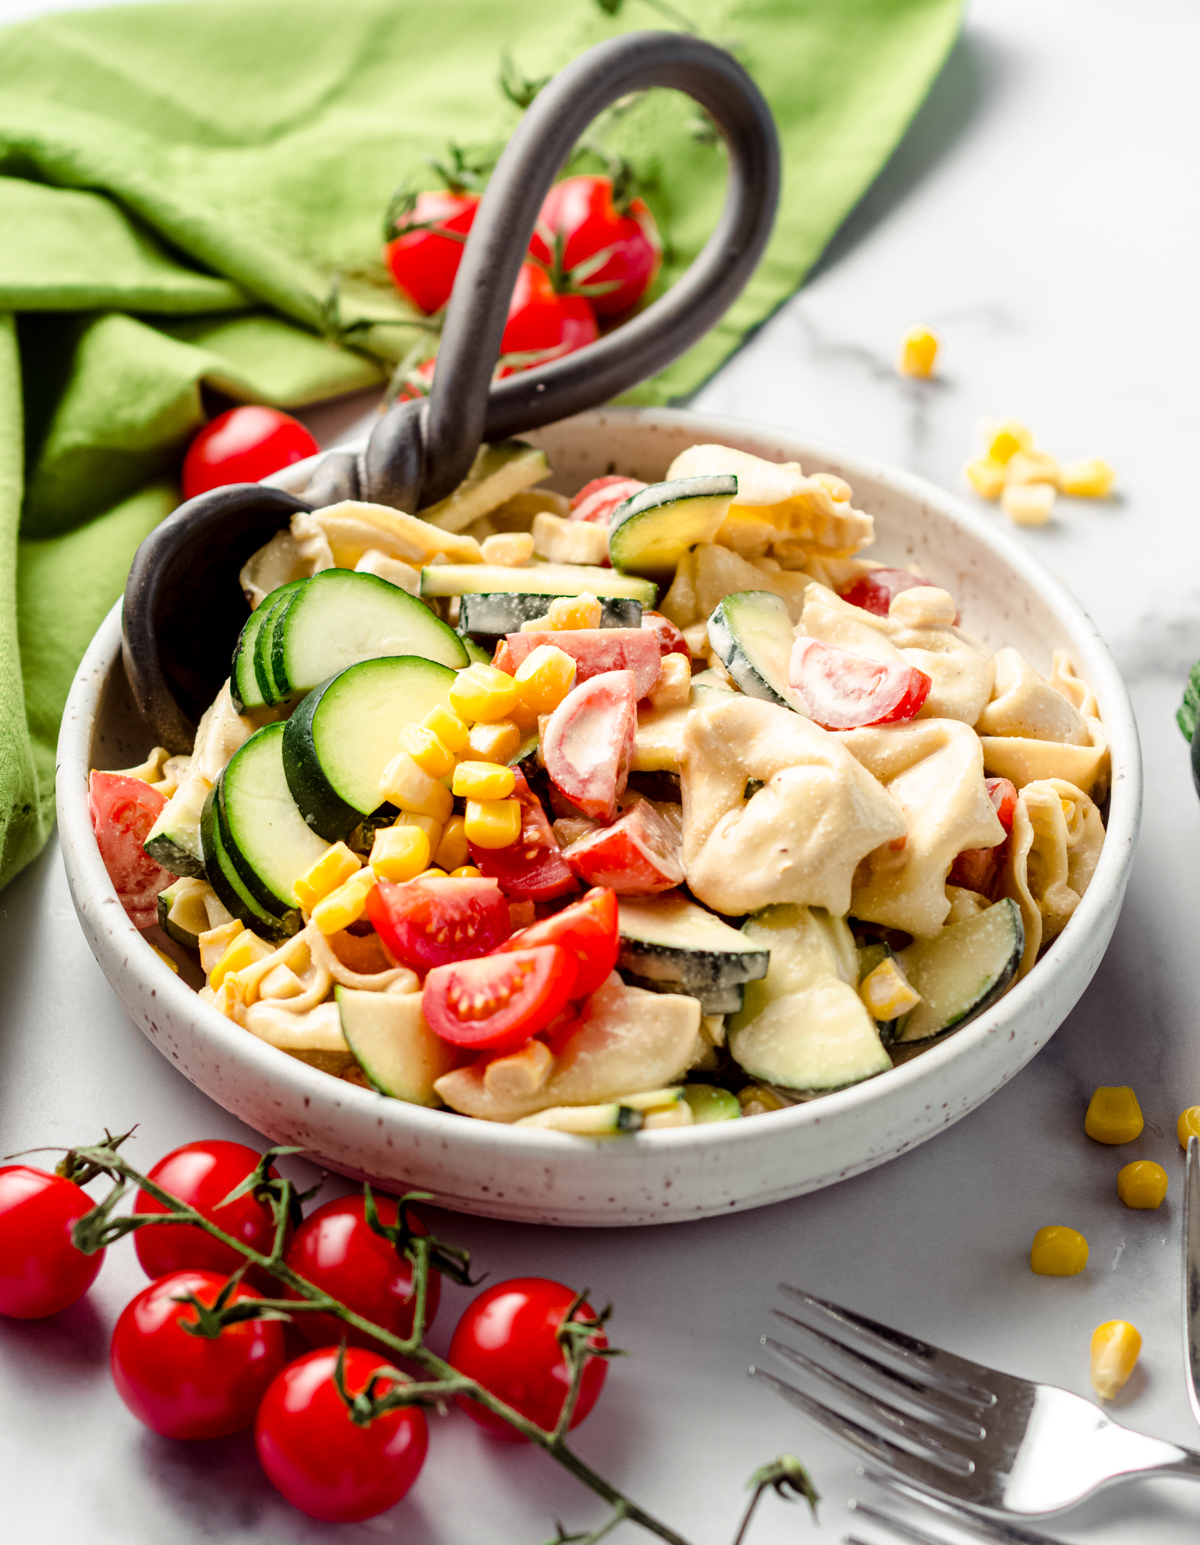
<point>651,531</point>
<point>548,579</point>
<point>669,944</point>
<point>395,1048</point>
<point>870,956</point>
<point>244,686</point>
<point>961,971</point>
<point>182,915</point>
<point>340,617</point>
<point>498,472</point>
<point>266,838</point>
<point>492,616</point>
<point>272,607</point>
<point>476,653</point>
<point>174,839</point>
<point>804,1026</point>
<point>711,1103</point>
<point>227,883</point>
<point>752,636</point>
<point>340,739</point>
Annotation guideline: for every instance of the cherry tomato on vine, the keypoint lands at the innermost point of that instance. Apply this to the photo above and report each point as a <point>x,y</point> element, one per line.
<point>622,243</point>
<point>243,445</point>
<point>41,1271</point>
<point>506,1341</point>
<point>421,260</point>
<point>321,1462</point>
<point>187,1386</point>
<point>541,322</point>
<point>336,1249</point>
<point>202,1175</point>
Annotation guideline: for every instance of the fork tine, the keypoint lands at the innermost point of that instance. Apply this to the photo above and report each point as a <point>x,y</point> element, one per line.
<point>963,1517</point>
<point>911,1427</point>
<point>906,1531</point>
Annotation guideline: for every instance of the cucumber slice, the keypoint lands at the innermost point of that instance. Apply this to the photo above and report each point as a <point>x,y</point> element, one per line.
<point>182,915</point>
<point>961,971</point>
<point>650,532</point>
<point>476,653</point>
<point>548,579</point>
<point>340,739</point>
<point>340,617</point>
<point>272,607</point>
<point>267,840</point>
<point>174,839</point>
<point>492,616</point>
<point>395,1048</point>
<point>669,944</point>
<point>244,686</point>
<point>752,636</point>
<point>498,472</point>
<point>227,883</point>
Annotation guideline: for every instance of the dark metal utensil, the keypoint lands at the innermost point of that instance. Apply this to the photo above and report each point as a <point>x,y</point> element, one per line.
<point>419,451</point>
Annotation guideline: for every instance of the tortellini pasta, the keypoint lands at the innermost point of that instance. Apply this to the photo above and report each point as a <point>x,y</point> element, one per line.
<point>1033,730</point>
<point>1056,840</point>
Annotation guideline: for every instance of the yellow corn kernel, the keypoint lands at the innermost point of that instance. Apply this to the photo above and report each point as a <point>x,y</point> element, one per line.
<point>483,781</point>
<point>215,941</point>
<point>567,612</point>
<point>346,905</point>
<point>333,868</point>
<point>508,549</point>
<point>466,872</point>
<point>447,726</point>
<point>496,742</point>
<point>1031,467</point>
<point>166,959</point>
<point>427,750</point>
<point>1029,504</point>
<point>674,685</point>
<point>985,476</point>
<point>243,951</point>
<point>1115,1348</point>
<point>1188,1125</point>
<point>916,353</point>
<point>887,992</point>
<point>426,823</point>
<point>1058,1252</point>
<point>535,625</point>
<point>399,853</point>
<point>1005,438</point>
<point>481,694</point>
<point>433,874</point>
<point>452,851</point>
<point>1091,478</point>
<point>1113,1115</point>
<point>406,785</point>
<point>493,823</point>
<point>544,678</point>
<point>1142,1184</point>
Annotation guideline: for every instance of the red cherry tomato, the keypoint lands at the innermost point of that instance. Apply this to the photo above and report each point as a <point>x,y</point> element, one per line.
<point>506,1342</point>
<point>977,869</point>
<point>530,869</point>
<point>242,446</point>
<point>1003,795</point>
<point>188,1386</point>
<point>597,500</point>
<point>875,590</point>
<point>670,639</point>
<point>421,260</point>
<point>336,1249</point>
<point>588,929</point>
<point>596,650</point>
<point>612,255</point>
<point>588,744</point>
<point>845,691</point>
<point>543,323</point>
<point>497,1003</point>
<point>315,1455</point>
<point>636,856</point>
<point>427,923</point>
<point>202,1175</point>
<point>123,810</point>
<point>41,1271</point>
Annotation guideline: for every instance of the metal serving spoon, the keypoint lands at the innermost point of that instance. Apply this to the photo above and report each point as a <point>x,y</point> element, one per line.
<point>184,607</point>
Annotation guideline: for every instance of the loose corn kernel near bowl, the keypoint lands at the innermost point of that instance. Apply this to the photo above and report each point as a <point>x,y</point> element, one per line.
<point>1031,467</point>
<point>985,476</point>
<point>493,823</point>
<point>1188,1125</point>
<point>1004,438</point>
<point>1113,1115</point>
<point>1089,478</point>
<point>1058,1251</point>
<point>481,694</point>
<point>1028,504</point>
<point>483,781</point>
<point>1142,1184</point>
<point>399,853</point>
<point>917,351</point>
<point>333,868</point>
<point>1116,1346</point>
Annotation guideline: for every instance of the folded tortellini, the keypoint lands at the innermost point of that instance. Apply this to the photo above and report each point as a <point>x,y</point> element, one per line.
<point>1033,729</point>
<point>1056,840</point>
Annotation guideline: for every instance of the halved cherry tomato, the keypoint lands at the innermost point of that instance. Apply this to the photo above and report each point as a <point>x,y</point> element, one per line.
<point>242,446</point>
<point>636,856</point>
<point>611,255</point>
<point>596,650</point>
<point>542,323</point>
<point>428,923</point>
<point>597,500</point>
<point>41,1271</point>
<point>588,929</point>
<point>845,691</point>
<point>123,810</point>
<point>532,868</point>
<point>422,261</point>
<point>1003,795</point>
<point>875,590</point>
<point>670,639</point>
<point>977,869</point>
<point>497,1003</point>
<point>588,744</point>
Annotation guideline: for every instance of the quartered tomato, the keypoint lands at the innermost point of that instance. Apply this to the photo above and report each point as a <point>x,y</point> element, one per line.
<point>242,446</point>
<point>588,929</point>
<point>636,856</point>
<point>588,744</point>
<point>497,1003</point>
<point>422,260</point>
<point>670,639</point>
<point>532,868</point>
<point>1003,795</point>
<point>542,323</point>
<point>41,1271</point>
<point>123,810</point>
<point>977,869</point>
<point>597,500</point>
<point>875,590</point>
<point>845,691</point>
<point>428,923</point>
<point>610,254</point>
<point>596,650</point>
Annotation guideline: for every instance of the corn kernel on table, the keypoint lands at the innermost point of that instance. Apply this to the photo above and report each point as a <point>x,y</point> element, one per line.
<point>1042,216</point>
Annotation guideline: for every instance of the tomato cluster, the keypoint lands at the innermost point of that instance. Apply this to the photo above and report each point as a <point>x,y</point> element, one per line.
<point>188,1373</point>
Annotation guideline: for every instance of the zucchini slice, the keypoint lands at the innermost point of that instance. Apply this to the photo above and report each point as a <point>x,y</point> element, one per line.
<point>489,617</point>
<point>227,883</point>
<point>244,687</point>
<point>752,636</point>
<point>340,617</point>
<point>393,1045</point>
<point>547,579</point>
<point>651,531</point>
<point>499,471</point>
<point>174,839</point>
<point>340,739</point>
<point>267,840</point>
<point>961,971</point>
<point>669,944</point>
<point>272,607</point>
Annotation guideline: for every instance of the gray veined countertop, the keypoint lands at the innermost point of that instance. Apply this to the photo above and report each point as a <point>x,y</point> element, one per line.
<point>1043,214</point>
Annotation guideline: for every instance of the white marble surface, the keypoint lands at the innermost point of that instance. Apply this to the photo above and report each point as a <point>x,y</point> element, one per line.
<point>1043,214</point>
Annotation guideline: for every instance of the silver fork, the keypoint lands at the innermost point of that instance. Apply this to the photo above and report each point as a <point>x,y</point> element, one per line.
<point>977,1523</point>
<point>971,1434</point>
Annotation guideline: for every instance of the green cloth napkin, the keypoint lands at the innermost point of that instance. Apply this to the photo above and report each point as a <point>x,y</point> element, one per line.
<point>180,184</point>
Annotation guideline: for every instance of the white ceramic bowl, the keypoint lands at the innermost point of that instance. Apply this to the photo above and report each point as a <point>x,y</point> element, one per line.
<point>545,1177</point>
